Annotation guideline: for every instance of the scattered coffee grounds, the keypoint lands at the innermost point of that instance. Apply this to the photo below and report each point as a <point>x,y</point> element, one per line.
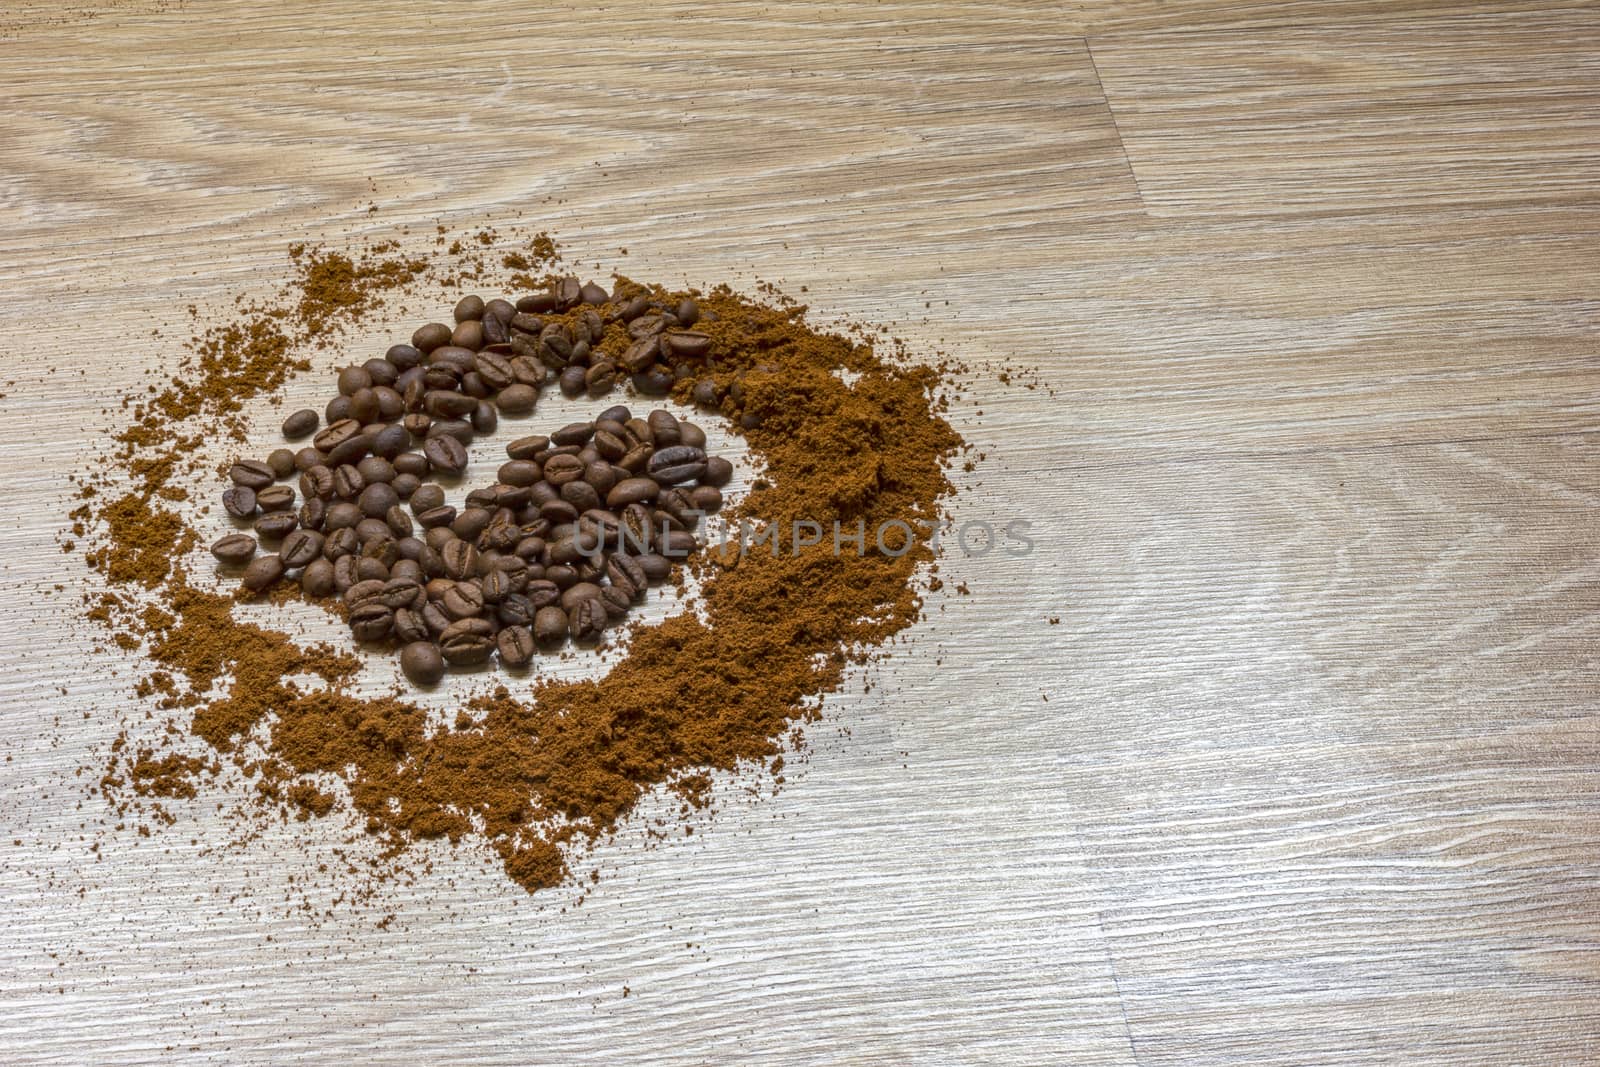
<point>848,438</point>
<point>579,524</point>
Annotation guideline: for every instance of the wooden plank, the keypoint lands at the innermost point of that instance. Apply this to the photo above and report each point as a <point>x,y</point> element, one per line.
<point>1497,110</point>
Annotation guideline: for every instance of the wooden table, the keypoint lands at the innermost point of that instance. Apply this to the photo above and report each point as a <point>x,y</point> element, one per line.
<point>1305,773</point>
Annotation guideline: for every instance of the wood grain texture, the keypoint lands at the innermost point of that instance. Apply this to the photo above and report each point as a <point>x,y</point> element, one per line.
<point>1304,772</point>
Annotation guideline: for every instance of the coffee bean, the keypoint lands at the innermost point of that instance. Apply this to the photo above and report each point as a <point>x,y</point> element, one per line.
<point>234,549</point>
<point>568,292</point>
<point>239,501</point>
<point>576,594</point>
<point>341,515</point>
<point>518,399</point>
<point>429,337</point>
<point>375,500</point>
<point>400,592</point>
<point>340,432</point>
<point>718,472</point>
<point>422,663</point>
<point>616,603</point>
<point>352,380</point>
<point>409,627</point>
<point>527,447</point>
<point>626,574</point>
<point>656,567</point>
<point>404,356</point>
<point>516,646</point>
<point>339,542</point>
<point>467,641</point>
<point>691,435</point>
<point>347,482</point>
<point>587,620</point>
<point>346,572</point>
<point>590,293</point>
<point>275,498</point>
<point>706,393</point>
<point>317,579</point>
<point>276,524</point>
<point>460,559</point>
<point>678,544</point>
<point>300,547</point>
<point>563,468</point>
<point>678,463</point>
<point>444,404</point>
<point>337,410</point>
<point>262,572</point>
<point>632,491</point>
<point>371,622</point>
<point>251,474</point>
<point>686,344</point>
<point>446,454</point>
<point>688,312</point>
<point>300,424</point>
<point>307,458</point>
<point>706,498</point>
<point>550,625</point>
<point>398,521</point>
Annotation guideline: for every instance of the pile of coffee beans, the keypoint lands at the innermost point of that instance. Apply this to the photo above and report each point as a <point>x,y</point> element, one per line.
<point>573,531</point>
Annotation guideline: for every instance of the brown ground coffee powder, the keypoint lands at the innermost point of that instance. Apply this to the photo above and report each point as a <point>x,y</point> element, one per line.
<point>556,764</point>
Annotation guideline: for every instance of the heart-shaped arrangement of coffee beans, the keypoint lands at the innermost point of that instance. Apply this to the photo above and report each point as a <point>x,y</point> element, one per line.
<point>576,526</point>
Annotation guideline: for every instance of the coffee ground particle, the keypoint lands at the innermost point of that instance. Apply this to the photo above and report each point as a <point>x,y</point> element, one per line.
<point>559,764</point>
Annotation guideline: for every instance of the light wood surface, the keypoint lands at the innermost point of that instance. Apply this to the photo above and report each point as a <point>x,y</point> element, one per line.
<point>1307,771</point>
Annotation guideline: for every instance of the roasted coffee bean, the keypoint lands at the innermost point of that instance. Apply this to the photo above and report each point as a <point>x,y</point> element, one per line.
<point>541,593</point>
<point>281,460</point>
<point>706,498</point>
<point>616,603</point>
<point>403,593</point>
<point>346,572</point>
<point>590,293</point>
<point>571,382</point>
<point>276,524</point>
<point>576,433</point>
<point>563,468</point>
<point>580,592</point>
<point>467,641</point>
<point>550,625</point>
<point>636,459</point>
<point>403,356</point>
<point>340,515</point>
<point>422,662</point>
<point>417,425</point>
<point>655,381</point>
<point>446,454</point>
<point>562,575</point>
<point>485,419</point>
<point>626,574</point>
<point>444,404</point>
<point>495,586</point>
<point>517,399</point>
<point>340,542</point>
<point>317,579</point>
<point>600,476</point>
<point>307,458</point>
<point>580,495</point>
<point>657,568</point>
<point>568,292</point>
<point>632,491</point>
<point>526,448</point>
<point>398,521</point>
<point>300,547</point>
<point>251,474</point>
<point>515,610</point>
<point>678,544</point>
<point>362,592</point>
<point>337,410</point>
<point>429,337</point>
<point>300,424</point>
<point>234,549</point>
<point>516,646</point>
<point>468,334</point>
<point>688,312</point>
<point>678,463</point>
<point>371,622</point>
<point>460,559</point>
<point>352,380</point>
<point>406,565</point>
<point>718,472</point>
<point>375,470</point>
<point>338,433</point>
<point>469,307</point>
<point>706,393</point>
<point>275,498</point>
<point>495,370</point>
<point>239,501</point>
<point>600,378</point>
<point>519,472</point>
<point>391,442</point>
<point>691,435</point>
<point>262,572</point>
<point>633,307</point>
<point>370,529</point>
<point>686,344</point>
<point>405,485</point>
<point>426,496</point>
<point>587,620</point>
<point>496,331</point>
<point>434,618</point>
<point>349,452</point>
<point>409,627</point>
<point>375,500</point>
<point>408,548</point>
<point>347,482</point>
<point>364,406</point>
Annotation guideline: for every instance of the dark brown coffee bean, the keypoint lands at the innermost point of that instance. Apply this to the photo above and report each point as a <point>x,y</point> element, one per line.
<point>639,355</point>
<point>251,474</point>
<point>409,627</point>
<point>371,622</point>
<point>446,454</point>
<point>646,326</point>
<point>571,382</point>
<point>562,575</point>
<point>340,515</point>
<point>688,312</point>
<point>590,293</point>
<point>625,573</point>
<point>657,568</point>
<point>403,593</point>
<point>262,572</point>
<point>276,524</point>
<point>300,547</point>
<point>496,331</point>
<point>495,586</point>
<point>686,344</point>
<point>340,542</point>
<point>307,458</point>
<point>518,472</point>
<point>408,549</point>
<point>406,485</point>
<point>633,307</point>
<point>550,625</point>
<point>616,603</point>
<point>432,518</point>
<point>398,521</point>
<point>706,393</point>
<point>352,380</point>
<point>364,406</point>
<point>338,410</point>
<point>350,451</point>
<point>706,498</point>
<point>718,472</point>
<point>516,646</point>
<point>300,424</point>
<point>403,356</point>
<point>495,370</point>
<point>576,433</point>
<point>422,662</point>
<point>338,433</point>
<point>317,579</point>
<point>429,337</point>
<point>580,495</point>
<point>678,544</point>
<point>460,559</point>
<point>375,500</point>
<point>691,435</point>
<point>576,594</point>
<point>468,334</point>
<point>467,641</point>
<point>362,592</point>
<point>275,498</point>
<point>518,399</point>
<point>366,569</point>
<point>527,447</point>
<point>678,463</point>
<point>654,381</point>
<point>469,307</point>
<point>347,482</point>
<point>587,620</point>
<point>443,404</point>
<point>568,292</point>
<point>234,549</point>
<point>239,501</point>
<point>426,496</point>
<point>281,462</point>
<point>563,468</point>
<point>632,491</point>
